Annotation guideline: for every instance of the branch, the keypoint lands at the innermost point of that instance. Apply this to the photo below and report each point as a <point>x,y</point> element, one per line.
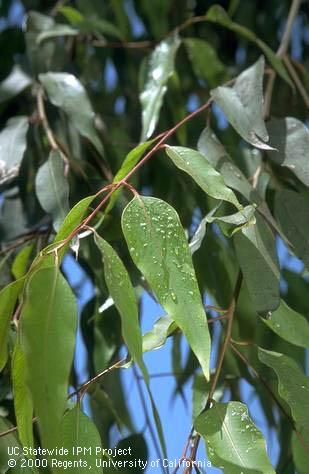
<point>283,47</point>
<point>296,80</point>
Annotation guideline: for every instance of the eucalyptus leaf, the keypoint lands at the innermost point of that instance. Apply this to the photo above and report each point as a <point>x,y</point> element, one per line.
<point>293,385</point>
<point>156,337</point>
<point>160,68</point>
<point>290,325</point>
<point>200,391</point>
<point>52,188</point>
<point>205,61</point>
<point>196,165</point>
<point>12,147</point>
<point>159,248</point>
<point>66,92</point>
<point>56,31</point>
<point>256,252</point>
<point>232,440</point>
<point>198,236</point>
<point>8,298</point>
<point>243,105</point>
<point>14,84</point>
<point>47,341</point>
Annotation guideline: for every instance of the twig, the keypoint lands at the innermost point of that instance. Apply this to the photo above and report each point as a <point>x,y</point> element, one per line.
<point>283,47</point>
<point>296,80</point>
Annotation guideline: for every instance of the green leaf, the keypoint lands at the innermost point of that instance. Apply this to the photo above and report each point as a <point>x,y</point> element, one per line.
<point>22,397</point>
<point>291,138</point>
<point>128,164</point>
<point>7,443</point>
<point>291,212</point>
<point>243,105</point>
<point>12,147</point>
<point>217,14</point>
<point>196,165</point>
<point>8,298</point>
<point>56,31</point>
<point>289,325</point>
<point>66,92</point>
<point>48,340</point>
<point>256,252</point>
<point>71,14</point>
<point>198,236</point>
<point>75,216</point>
<point>300,456</point>
<point>205,62</point>
<point>52,188</point>
<point>159,248</point>
<point>121,290</point>
<point>242,218</point>
<point>77,430</point>
<point>21,261</point>
<point>293,385</point>
<point>156,337</point>
<point>200,391</point>
<point>160,68</point>
<point>232,440</point>
<point>14,84</point>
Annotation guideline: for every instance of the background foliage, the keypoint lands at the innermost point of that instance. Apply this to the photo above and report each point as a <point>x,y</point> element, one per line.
<point>202,201</point>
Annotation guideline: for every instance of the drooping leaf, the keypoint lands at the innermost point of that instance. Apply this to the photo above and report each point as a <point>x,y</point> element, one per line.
<point>156,337</point>
<point>217,14</point>
<point>160,68</point>
<point>291,212</point>
<point>205,61</point>
<point>289,325</point>
<point>56,31</point>
<point>22,397</point>
<point>232,440</point>
<point>8,298</point>
<point>159,248</point>
<point>293,385</point>
<point>240,219</point>
<point>197,166</point>
<point>52,188</point>
<point>12,147</point>
<point>200,391</point>
<point>66,92</point>
<point>78,430</point>
<point>198,236</point>
<point>291,138</point>
<point>121,290</point>
<point>256,253</point>
<point>21,261</point>
<point>14,84</point>
<point>243,105</point>
<point>47,341</point>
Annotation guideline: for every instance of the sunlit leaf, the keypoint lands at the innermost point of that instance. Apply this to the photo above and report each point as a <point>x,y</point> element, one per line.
<point>198,236</point>
<point>14,84</point>
<point>66,92</point>
<point>156,337</point>
<point>8,299</point>
<point>21,261</point>
<point>12,147</point>
<point>233,442</point>
<point>293,385</point>
<point>56,31</point>
<point>196,165</point>
<point>256,253</point>
<point>159,248</point>
<point>289,325</point>
<point>160,68</point>
<point>243,105</point>
<point>77,430</point>
<point>47,341</point>
<point>52,188</point>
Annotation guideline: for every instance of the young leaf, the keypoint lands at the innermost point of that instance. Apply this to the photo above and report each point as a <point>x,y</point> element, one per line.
<point>293,385</point>
<point>160,68</point>
<point>232,440</point>
<point>22,397</point>
<point>159,248</point>
<point>52,188</point>
<point>205,61</point>
<point>14,84</point>
<point>156,337</point>
<point>12,147</point>
<point>56,31</point>
<point>256,253</point>
<point>198,236</point>
<point>243,105</point>
<point>73,218</point>
<point>196,165</point>
<point>66,92</point>
<point>289,325</point>
<point>48,326</point>
<point>291,138</point>
<point>77,430</point>
<point>8,298</point>
<point>291,212</point>
<point>121,290</point>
